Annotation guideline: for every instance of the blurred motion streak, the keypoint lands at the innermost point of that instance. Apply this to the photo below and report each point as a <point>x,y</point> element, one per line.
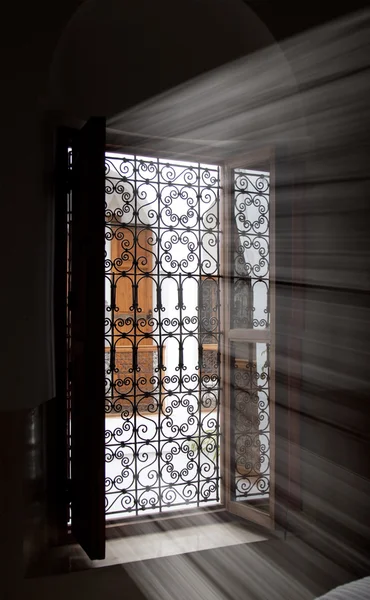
<point>313,109</point>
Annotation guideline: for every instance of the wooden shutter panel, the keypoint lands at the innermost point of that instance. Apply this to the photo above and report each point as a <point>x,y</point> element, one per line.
<point>87,398</point>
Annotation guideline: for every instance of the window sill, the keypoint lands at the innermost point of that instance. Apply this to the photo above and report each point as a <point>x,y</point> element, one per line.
<point>159,540</point>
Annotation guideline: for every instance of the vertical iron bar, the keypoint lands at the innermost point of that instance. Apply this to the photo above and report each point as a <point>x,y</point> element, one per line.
<point>200,395</point>
<point>134,358</point>
<point>160,344</point>
<point>181,355</point>
<point>200,349</point>
<point>134,361</point>
<point>112,362</point>
<point>181,366</point>
<point>180,300</point>
<point>159,289</point>
<point>134,287</point>
<point>233,233</point>
<point>181,360</point>
<point>218,435</point>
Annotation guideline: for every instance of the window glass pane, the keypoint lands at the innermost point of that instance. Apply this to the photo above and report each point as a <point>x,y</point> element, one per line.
<point>250,250</point>
<point>250,372</point>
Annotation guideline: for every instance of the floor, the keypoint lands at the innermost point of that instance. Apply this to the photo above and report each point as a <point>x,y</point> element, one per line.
<point>213,561</point>
<point>275,569</point>
<point>270,570</point>
<point>175,542</point>
<point>155,538</point>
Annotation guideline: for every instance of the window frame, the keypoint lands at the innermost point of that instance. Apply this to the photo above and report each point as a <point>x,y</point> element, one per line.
<point>251,159</point>
<point>253,156</point>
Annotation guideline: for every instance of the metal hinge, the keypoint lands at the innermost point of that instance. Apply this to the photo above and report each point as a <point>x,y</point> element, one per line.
<point>69,490</point>
<point>69,174</point>
<point>68,181</point>
<point>70,370</point>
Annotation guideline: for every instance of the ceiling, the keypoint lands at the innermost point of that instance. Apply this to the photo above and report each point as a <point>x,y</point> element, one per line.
<point>285,18</point>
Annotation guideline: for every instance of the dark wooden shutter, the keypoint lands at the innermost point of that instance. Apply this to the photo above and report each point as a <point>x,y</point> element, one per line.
<point>87,352</point>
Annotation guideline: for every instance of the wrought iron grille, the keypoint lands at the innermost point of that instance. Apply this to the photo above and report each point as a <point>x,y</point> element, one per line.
<point>251,239</point>
<point>250,385</point>
<point>162,334</point>
<point>250,361</point>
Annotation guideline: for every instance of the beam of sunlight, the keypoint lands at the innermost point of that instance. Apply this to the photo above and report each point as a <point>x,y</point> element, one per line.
<point>309,101</point>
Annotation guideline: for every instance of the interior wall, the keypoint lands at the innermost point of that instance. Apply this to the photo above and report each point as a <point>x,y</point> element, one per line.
<point>114,55</point>
<point>335,344</point>
<point>29,33</point>
<point>64,66</point>
<point>335,398</point>
<point>60,63</point>
<point>334,212</point>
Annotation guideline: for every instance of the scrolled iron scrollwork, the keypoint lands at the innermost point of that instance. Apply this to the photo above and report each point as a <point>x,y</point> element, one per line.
<point>162,230</point>
<point>251,248</point>
<point>250,399</point>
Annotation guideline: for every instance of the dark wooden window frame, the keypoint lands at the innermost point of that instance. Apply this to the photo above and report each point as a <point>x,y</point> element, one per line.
<point>287,478</point>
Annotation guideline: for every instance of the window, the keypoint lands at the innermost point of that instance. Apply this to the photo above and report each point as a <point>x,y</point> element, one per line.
<point>163,334</point>
<point>177,266</point>
<point>250,336</point>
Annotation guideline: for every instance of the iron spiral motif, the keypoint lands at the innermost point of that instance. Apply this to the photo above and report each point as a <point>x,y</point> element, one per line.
<point>251,250</point>
<point>162,331</point>
<point>250,361</point>
<point>250,387</point>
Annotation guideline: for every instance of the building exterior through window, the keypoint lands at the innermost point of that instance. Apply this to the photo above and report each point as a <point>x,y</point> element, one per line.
<point>189,346</point>
<point>165,339</point>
